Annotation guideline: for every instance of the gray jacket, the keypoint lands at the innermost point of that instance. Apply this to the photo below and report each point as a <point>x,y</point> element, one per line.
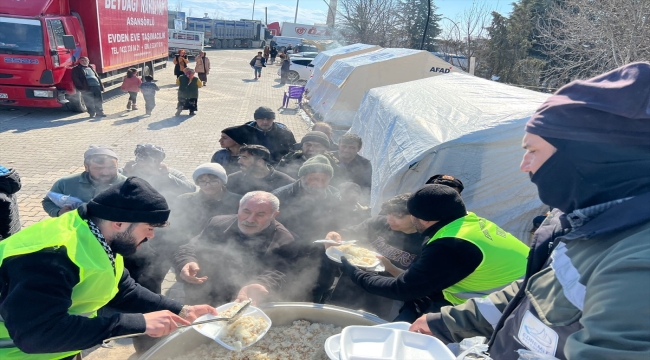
<point>79,186</point>
<point>589,300</point>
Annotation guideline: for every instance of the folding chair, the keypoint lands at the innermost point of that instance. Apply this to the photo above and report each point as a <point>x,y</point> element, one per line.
<point>294,92</point>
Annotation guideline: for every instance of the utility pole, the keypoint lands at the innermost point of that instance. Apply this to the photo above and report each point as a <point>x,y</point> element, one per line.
<point>295,18</point>
<point>331,12</point>
<point>266,16</point>
<point>253,16</point>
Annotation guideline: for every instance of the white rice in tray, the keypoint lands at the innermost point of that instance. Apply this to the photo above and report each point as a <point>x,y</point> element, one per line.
<point>300,341</point>
<point>244,331</point>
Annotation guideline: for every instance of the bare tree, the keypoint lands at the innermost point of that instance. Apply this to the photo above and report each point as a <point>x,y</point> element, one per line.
<point>583,38</point>
<point>467,35</point>
<point>370,22</point>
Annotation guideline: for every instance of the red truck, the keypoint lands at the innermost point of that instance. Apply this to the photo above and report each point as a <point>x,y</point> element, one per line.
<point>42,40</point>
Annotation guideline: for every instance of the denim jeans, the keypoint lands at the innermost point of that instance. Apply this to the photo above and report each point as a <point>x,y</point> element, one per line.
<point>258,70</point>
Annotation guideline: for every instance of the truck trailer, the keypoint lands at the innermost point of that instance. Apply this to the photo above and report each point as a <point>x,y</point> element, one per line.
<point>228,34</point>
<point>42,40</point>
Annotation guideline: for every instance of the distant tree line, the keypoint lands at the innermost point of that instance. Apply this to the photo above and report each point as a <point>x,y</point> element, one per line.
<point>541,44</point>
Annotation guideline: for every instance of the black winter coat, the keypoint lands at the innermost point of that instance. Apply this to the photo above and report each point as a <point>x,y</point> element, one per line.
<point>9,217</point>
<point>279,140</point>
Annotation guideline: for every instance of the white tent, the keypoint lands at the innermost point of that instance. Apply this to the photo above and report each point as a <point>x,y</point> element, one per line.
<point>344,84</point>
<point>459,125</point>
<point>324,60</point>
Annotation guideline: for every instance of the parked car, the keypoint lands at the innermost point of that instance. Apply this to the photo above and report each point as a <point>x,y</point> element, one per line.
<point>309,54</point>
<point>300,69</point>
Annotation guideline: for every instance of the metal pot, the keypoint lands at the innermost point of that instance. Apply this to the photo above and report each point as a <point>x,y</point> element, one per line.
<point>285,313</point>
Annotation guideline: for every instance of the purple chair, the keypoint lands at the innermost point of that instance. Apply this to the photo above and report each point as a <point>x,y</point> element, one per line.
<point>294,92</point>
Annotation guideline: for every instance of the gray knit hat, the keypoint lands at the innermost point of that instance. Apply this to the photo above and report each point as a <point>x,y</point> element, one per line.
<point>264,112</point>
<point>211,169</point>
<point>317,164</point>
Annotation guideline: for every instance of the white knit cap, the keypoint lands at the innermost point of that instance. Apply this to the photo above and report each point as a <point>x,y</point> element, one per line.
<point>212,169</point>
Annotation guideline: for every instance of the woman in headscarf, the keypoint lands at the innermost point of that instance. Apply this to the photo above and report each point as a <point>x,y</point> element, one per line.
<point>267,53</point>
<point>180,62</point>
<point>188,91</point>
<point>232,138</point>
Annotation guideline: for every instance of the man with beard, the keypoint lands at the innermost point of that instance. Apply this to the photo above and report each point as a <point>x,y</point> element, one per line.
<point>56,274</point>
<point>100,164</point>
<point>312,144</point>
<point>256,172</point>
<point>250,248</point>
<point>463,256</point>
<point>311,208</point>
<point>586,290</point>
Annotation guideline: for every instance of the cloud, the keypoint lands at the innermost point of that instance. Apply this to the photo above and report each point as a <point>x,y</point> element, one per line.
<point>235,10</point>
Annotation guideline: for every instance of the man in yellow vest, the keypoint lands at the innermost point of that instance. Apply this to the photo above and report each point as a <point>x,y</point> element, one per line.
<point>463,256</point>
<point>56,274</point>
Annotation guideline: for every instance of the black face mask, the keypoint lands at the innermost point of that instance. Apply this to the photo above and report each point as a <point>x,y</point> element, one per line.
<point>582,174</point>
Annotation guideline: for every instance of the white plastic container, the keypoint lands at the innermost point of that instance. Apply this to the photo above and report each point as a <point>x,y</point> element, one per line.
<point>217,330</point>
<point>385,343</point>
<point>333,343</point>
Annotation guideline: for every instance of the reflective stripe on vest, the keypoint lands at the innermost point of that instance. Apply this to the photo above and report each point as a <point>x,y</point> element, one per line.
<point>504,257</point>
<point>98,282</point>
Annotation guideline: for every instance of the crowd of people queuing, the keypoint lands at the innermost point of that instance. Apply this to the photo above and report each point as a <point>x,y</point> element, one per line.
<point>243,227</point>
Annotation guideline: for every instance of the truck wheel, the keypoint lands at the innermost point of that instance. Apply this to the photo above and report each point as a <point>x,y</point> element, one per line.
<point>249,44</point>
<point>263,45</point>
<point>217,44</point>
<point>231,43</point>
<point>293,76</point>
<point>75,102</point>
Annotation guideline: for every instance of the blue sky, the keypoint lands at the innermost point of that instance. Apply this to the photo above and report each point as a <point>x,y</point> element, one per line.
<point>309,11</point>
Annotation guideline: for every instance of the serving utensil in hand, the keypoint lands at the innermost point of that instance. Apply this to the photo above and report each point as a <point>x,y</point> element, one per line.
<point>229,320</point>
<point>334,242</point>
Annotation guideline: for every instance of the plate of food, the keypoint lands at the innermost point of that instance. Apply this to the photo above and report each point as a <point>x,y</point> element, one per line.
<point>356,255</point>
<point>250,327</point>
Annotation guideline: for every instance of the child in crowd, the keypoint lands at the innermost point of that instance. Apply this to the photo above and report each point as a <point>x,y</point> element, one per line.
<point>131,84</point>
<point>149,93</point>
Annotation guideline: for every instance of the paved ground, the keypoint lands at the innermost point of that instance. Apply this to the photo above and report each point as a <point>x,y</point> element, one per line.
<point>46,144</point>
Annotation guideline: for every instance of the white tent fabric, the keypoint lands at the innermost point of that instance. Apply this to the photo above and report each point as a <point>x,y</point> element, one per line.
<point>337,98</point>
<point>324,60</point>
<point>459,125</point>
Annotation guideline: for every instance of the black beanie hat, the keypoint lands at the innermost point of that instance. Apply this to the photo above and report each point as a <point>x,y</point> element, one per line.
<point>317,136</point>
<point>447,180</point>
<point>133,201</point>
<point>436,202</point>
<point>264,112</point>
<point>238,133</point>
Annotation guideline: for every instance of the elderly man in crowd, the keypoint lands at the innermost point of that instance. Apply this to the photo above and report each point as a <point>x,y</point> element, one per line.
<point>148,165</point>
<point>256,172</point>
<point>311,208</point>
<point>100,172</point>
<point>354,167</point>
<point>463,256</point>
<point>250,248</point>
<point>274,136</point>
<point>312,144</point>
<point>585,293</point>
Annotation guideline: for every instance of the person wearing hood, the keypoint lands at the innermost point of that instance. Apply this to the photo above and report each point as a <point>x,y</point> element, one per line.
<point>586,290</point>
<point>56,274</point>
<point>272,135</point>
<point>463,256</point>
<point>9,216</point>
<point>312,144</point>
<point>232,139</point>
<point>256,172</point>
<point>100,172</point>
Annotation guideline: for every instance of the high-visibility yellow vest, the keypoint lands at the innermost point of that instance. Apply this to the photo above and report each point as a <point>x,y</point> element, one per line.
<point>504,257</point>
<point>98,282</point>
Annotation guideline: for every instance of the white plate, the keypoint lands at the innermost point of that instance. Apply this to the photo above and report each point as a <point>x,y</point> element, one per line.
<point>377,343</point>
<point>214,330</point>
<point>333,343</point>
<point>335,255</point>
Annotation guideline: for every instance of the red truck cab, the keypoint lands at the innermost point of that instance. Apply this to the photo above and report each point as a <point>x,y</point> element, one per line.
<point>42,40</point>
